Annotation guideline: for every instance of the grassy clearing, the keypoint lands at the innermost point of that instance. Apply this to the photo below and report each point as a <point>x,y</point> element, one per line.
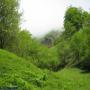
<point>19,74</point>
<point>70,79</point>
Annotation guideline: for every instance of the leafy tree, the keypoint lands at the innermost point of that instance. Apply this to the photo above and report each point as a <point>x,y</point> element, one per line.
<point>24,43</point>
<point>74,42</point>
<point>80,45</point>
<point>73,20</point>
<point>9,22</point>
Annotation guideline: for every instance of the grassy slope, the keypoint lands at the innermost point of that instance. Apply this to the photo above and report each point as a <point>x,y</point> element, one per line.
<point>18,73</point>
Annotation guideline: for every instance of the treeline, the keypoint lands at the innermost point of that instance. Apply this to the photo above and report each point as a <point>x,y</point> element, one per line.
<point>20,42</point>
<point>55,50</point>
<point>74,43</point>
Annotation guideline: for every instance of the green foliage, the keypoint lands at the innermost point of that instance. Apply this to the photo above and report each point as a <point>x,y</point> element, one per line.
<point>48,58</point>
<point>74,18</point>
<point>64,53</point>
<point>19,74</point>
<point>44,57</point>
<point>24,43</point>
<point>80,46</point>
<point>9,22</point>
<point>73,47</point>
<point>66,49</point>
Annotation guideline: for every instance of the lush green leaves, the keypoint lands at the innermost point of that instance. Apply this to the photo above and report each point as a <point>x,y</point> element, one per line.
<point>9,22</point>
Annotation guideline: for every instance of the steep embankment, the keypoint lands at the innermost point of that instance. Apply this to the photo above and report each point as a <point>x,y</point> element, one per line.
<point>19,74</point>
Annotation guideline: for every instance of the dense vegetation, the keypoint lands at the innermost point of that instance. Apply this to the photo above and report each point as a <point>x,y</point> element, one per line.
<point>35,64</point>
<point>75,40</point>
<point>19,74</point>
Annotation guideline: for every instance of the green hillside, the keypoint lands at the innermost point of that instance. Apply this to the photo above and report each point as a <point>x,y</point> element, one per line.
<point>19,74</point>
<point>59,60</point>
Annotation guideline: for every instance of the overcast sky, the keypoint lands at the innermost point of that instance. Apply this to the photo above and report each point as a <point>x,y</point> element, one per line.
<point>41,16</point>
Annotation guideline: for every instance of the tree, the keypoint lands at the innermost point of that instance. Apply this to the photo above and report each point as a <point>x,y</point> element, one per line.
<point>9,22</point>
<point>24,43</point>
<point>80,46</point>
<point>73,20</point>
<point>74,43</point>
